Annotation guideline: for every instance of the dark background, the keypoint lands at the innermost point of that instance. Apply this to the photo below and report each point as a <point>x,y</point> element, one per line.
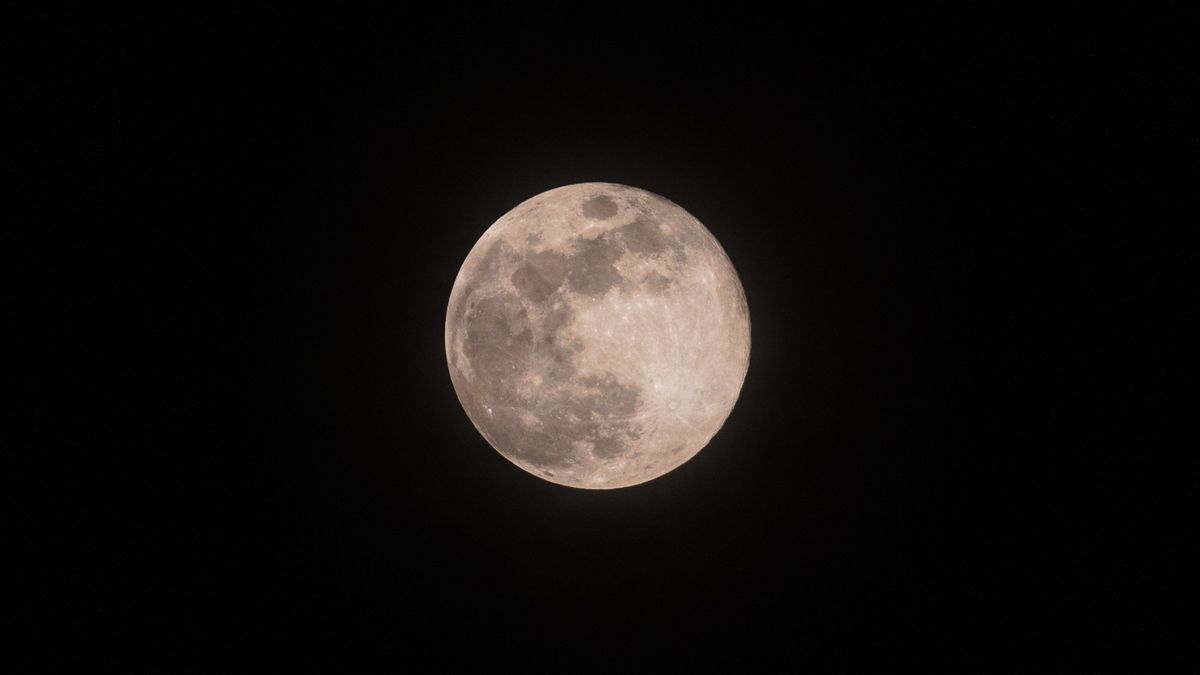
<point>950,240</point>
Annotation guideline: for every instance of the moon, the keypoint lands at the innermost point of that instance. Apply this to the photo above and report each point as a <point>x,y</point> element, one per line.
<point>597,336</point>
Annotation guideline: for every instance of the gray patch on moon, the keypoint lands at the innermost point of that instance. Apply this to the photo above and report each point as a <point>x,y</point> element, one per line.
<point>591,269</point>
<point>600,207</point>
<point>588,356</point>
<point>540,275</point>
<point>644,236</point>
<point>656,282</point>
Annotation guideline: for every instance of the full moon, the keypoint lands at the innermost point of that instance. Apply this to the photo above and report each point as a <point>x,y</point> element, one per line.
<point>597,336</point>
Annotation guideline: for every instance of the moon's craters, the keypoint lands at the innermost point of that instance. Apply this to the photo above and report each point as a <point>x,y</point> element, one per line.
<point>597,335</point>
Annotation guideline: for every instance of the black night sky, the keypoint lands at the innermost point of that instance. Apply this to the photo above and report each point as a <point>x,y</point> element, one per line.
<point>943,236</point>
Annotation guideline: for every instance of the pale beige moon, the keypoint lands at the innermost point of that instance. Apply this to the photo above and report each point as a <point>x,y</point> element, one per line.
<point>597,336</point>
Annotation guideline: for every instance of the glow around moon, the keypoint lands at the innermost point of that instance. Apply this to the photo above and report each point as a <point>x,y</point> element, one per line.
<point>597,335</point>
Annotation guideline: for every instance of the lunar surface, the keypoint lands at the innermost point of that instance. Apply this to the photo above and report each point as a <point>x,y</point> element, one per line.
<point>597,336</point>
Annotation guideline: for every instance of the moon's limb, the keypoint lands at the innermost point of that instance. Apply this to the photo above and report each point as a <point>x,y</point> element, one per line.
<point>597,335</point>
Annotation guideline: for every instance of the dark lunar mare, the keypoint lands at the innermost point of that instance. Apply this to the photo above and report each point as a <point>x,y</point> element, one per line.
<point>505,346</point>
